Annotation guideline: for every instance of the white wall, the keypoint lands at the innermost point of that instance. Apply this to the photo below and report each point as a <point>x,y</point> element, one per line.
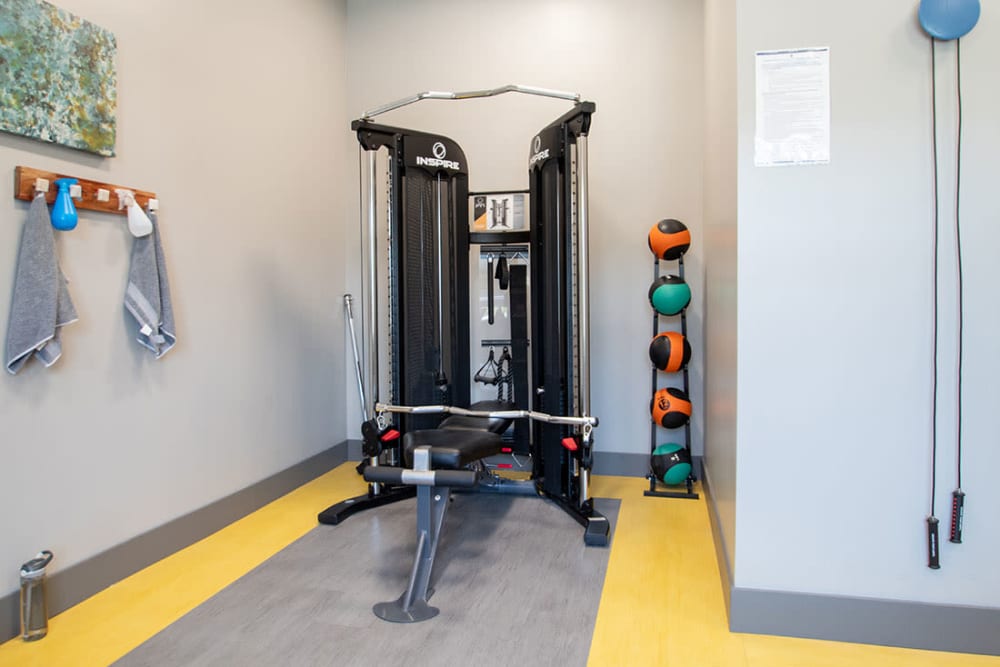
<point>720,265</point>
<point>834,325</point>
<point>641,62</point>
<point>233,113</point>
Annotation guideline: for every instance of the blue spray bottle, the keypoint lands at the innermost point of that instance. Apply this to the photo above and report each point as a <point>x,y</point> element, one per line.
<point>64,215</point>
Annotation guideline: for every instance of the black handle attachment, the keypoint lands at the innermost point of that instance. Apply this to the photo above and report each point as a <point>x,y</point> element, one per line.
<point>957,515</point>
<point>933,559</point>
<point>503,272</point>
<point>489,290</point>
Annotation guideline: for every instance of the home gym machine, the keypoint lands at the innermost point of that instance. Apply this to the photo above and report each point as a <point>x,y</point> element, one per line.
<point>427,438</point>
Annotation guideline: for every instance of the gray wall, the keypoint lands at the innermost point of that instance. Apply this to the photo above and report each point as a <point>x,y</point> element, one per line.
<point>720,266</point>
<point>834,317</point>
<point>641,62</point>
<point>234,114</point>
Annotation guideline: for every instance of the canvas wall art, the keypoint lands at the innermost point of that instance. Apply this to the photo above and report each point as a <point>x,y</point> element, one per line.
<point>57,77</point>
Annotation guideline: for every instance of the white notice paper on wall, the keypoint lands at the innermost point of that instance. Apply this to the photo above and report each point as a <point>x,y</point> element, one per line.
<point>793,107</point>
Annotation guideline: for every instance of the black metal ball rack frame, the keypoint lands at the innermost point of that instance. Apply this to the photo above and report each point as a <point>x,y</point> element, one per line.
<point>654,484</point>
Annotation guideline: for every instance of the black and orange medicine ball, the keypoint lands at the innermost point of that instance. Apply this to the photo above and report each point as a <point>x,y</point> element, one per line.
<point>669,351</point>
<point>669,239</point>
<point>670,408</point>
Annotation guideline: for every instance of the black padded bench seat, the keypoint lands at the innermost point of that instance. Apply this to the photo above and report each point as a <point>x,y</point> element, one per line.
<point>442,454</point>
<point>452,448</point>
<point>491,424</point>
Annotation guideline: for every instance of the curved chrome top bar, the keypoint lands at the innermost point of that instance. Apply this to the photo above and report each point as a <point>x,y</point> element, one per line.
<point>470,94</point>
<point>497,414</point>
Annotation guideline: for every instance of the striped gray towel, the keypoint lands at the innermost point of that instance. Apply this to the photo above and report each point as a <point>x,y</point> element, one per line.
<point>41,303</point>
<point>147,295</point>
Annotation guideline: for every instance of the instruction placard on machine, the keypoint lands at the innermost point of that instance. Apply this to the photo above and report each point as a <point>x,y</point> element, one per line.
<point>499,212</point>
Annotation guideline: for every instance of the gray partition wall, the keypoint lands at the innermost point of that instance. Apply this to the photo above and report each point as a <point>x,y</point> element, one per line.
<point>819,428</point>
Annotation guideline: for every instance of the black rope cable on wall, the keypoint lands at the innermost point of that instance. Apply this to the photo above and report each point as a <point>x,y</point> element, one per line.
<point>934,272</point>
<point>957,508</point>
<point>958,495</point>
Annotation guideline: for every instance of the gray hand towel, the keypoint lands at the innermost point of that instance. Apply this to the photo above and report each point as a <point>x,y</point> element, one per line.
<point>41,303</point>
<point>147,296</point>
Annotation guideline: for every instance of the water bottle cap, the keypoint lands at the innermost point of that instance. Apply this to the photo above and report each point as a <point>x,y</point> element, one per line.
<point>35,567</point>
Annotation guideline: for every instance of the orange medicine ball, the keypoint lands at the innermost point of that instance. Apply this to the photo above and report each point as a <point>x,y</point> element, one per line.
<point>670,408</point>
<point>669,351</point>
<point>669,239</point>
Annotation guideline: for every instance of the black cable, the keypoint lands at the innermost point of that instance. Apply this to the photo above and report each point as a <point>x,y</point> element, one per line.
<point>934,298</point>
<point>958,247</point>
<point>933,542</point>
<point>958,496</point>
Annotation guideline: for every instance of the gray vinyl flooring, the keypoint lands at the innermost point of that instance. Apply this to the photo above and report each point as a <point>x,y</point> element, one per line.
<point>513,580</point>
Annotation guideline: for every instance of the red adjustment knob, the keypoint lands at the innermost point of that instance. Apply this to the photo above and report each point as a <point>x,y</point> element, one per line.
<point>506,450</point>
<point>389,436</point>
<point>570,443</point>
<point>505,466</point>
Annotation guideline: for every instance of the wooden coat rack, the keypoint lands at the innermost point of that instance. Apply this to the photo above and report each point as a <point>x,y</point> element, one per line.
<point>26,177</point>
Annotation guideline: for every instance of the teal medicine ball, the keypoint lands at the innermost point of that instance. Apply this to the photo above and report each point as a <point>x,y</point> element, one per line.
<point>669,295</point>
<point>671,463</point>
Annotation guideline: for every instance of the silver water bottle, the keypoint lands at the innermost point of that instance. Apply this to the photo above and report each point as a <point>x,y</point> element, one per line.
<point>34,612</point>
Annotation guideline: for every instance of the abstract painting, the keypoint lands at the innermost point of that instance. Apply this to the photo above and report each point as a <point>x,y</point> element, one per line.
<point>57,77</point>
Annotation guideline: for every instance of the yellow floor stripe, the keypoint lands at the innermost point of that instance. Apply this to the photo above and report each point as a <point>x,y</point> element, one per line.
<point>662,602</point>
<point>108,625</point>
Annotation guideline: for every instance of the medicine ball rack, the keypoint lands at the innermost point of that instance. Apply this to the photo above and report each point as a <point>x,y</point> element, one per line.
<point>689,493</point>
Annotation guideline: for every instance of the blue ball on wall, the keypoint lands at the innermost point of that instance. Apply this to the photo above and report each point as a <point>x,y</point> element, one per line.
<point>948,19</point>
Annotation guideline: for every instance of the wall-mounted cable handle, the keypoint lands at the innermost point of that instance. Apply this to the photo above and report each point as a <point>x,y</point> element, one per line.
<point>947,20</point>
<point>933,557</point>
